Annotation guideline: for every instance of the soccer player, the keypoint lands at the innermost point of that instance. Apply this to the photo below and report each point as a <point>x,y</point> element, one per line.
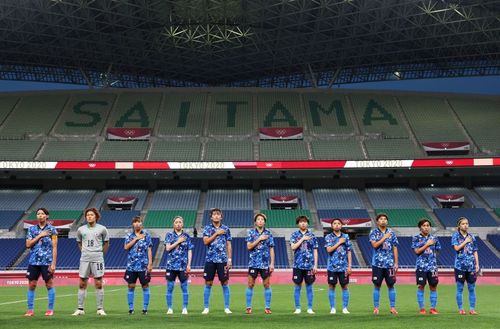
<point>260,244</point>
<point>427,247</point>
<point>305,262</point>
<point>217,238</point>
<point>139,245</point>
<point>384,261</point>
<point>93,241</point>
<point>42,240</point>
<point>466,264</point>
<point>338,246</point>
<point>179,249</point>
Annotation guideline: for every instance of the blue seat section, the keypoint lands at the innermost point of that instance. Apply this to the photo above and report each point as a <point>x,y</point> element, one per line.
<point>175,200</point>
<point>226,199</point>
<point>139,194</point>
<point>397,198</point>
<point>323,255</point>
<point>494,239</point>
<point>491,194</point>
<point>118,219</point>
<point>65,199</point>
<point>232,218</point>
<point>11,250</point>
<point>265,194</point>
<point>18,199</point>
<point>428,192</point>
<point>345,198</point>
<point>478,217</point>
<point>8,218</point>
<point>117,256</point>
<point>343,213</point>
<point>240,254</point>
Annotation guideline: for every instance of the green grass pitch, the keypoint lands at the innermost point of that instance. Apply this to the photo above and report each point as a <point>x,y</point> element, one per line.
<point>13,306</point>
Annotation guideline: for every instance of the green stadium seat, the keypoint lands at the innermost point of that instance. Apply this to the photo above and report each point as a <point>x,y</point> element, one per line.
<point>182,114</point>
<point>229,151</point>
<point>73,215</point>
<point>67,150</point>
<point>19,149</point>
<point>122,151</point>
<point>231,114</point>
<point>283,150</point>
<point>285,218</point>
<point>327,114</point>
<point>175,151</point>
<point>337,149</point>
<point>405,217</point>
<point>135,110</point>
<point>163,218</point>
<point>7,103</point>
<point>392,149</point>
<point>278,110</point>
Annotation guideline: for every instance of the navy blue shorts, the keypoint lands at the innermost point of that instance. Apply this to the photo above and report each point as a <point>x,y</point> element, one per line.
<point>34,272</point>
<point>254,272</point>
<point>379,274</point>
<point>131,277</point>
<point>342,278</point>
<point>221,269</point>
<point>307,276</point>
<point>425,276</point>
<point>171,275</point>
<point>462,276</point>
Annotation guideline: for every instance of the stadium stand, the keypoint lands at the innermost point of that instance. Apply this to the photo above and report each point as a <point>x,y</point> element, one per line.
<point>494,239</point>
<point>67,150</point>
<point>19,149</point>
<point>278,110</point>
<point>471,199</point>
<point>283,150</point>
<point>85,115</point>
<point>393,198</point>
<point>139,194</point>
<point>163,218</point>
<point>8,218</point>
<point>229,199</point>
<point>229,151</point>
<point>482,128</point>
<point>392,149</point>
<point>135,109</point>
<point>175,151</point>
<point>122,150</point>
<point>65,199</point>
<point>26,119</point>
<point>478,217</point>
<point>337,199</point>
<point>491,194</point>
<point>73,215</point>
<point>17,199</point>
<point>182,114</point>
<point>266,193</point>
<point>118,219</point>
<point>285,218</point>
<point>327,114</point>
<point>11,250</point>
<point>342,213</point>
<point>231,114</point>
<point>337,149</point>
<point>175,199</point>
<point>405,217</point>
<point>7,104</point>
<point>232,218</point>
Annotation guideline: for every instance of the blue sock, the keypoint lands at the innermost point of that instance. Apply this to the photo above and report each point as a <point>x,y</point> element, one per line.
<point>472,295</point>
<point>145,296</point>
<point>345,298</point>
<point>331,297</point>
<point>206,295</point>
<point>420,298</point>
<point>296,295</point>
<point>170,289</point>
<point>51,292</point>
<point>434,298</point>
<point>185,294</point>
<point>31,299</point>
<point>130,298</point>
<point>267,297</point>
<point>392,297</point>
<point>460,291</point>
<point>310,295</point>
<point>225,291</point>
<point>376,297</point>
<point>249,295</point>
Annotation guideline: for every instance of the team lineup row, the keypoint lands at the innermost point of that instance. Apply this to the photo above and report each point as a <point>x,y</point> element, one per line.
<point>93,240</point>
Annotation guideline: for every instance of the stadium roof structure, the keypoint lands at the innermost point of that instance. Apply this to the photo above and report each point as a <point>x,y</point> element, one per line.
<point>246,43</point>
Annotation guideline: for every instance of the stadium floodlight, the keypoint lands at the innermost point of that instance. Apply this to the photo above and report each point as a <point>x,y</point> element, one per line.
<point>397,74</point>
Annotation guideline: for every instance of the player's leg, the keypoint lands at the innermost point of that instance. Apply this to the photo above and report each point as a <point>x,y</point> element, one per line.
<point>332,282</point>
<point>144,279</point>
<point>51,291</point>
<point>471,286</point>
<point>309,280</point>
<point>183,278</point>
<point>32,274</point>
<point>208,275</point>
<point>297,280</point>
<point>460,281</point>
<point>98,271</point>
<point>266,280</point>
<point>421,282</point>
<point>130,278</point>
<point>84,273</point>
<point>433,280</point>
<point>223,274</point>
<point>252,274</point>
<point>170,275</point>
<point>377,277</point>
<point>344,282</point>
<point>390,279</point>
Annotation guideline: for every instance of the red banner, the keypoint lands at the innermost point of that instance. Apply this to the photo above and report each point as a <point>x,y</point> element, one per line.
<point>281,133</point>
<point>128,133</point>
<point>59,223</point>
<point>449,197</point>
<point>284,199</point>
<point>114,200</point>
<point>349,222</point>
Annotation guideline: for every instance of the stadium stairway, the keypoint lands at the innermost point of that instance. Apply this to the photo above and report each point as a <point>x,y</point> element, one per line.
<point>406,124</point>
<point>367,204</point>
<point>428,210</point>
<point>461,127</point>
<point>199,213</point>
<point>314,212</point>
<point>357,252</point>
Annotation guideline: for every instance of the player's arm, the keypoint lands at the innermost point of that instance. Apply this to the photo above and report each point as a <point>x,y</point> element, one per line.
<point>251,245</point>
<point>80,245</point>
<point>229,253</point>
<point>376,244</point>
<point>190,257</point>
<point>105,247</point>
<point>150,259</point>
<point>420,250</point>
<point>52,267</point>
<point>315,255</point>
<point>349,262</point>
<point>476,257</point>
<point>131,243</point>
<point>271,264</point>
<point>296,245</point>
<point>209,239</point>
<point>396,258</point>
<point>462,245</point>
<point>32,242</point>
<point>171,246</point>
<point>335,246</point>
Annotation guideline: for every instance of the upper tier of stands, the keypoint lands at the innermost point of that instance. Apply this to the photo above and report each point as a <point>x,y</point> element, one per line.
<point>223,125</point>
<point>337,199</point>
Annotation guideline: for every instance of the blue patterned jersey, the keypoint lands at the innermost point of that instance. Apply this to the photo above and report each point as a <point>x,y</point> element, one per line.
<point>427,260</point>
<point>383,256</point>
<point>41,252</point>
<point>177,258</point>
<point>137,260</point>
<point>260,256</point>
<point>303,257</point>
<point>464,258</point>
<point>337,260</point>
<point>217,250</point>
